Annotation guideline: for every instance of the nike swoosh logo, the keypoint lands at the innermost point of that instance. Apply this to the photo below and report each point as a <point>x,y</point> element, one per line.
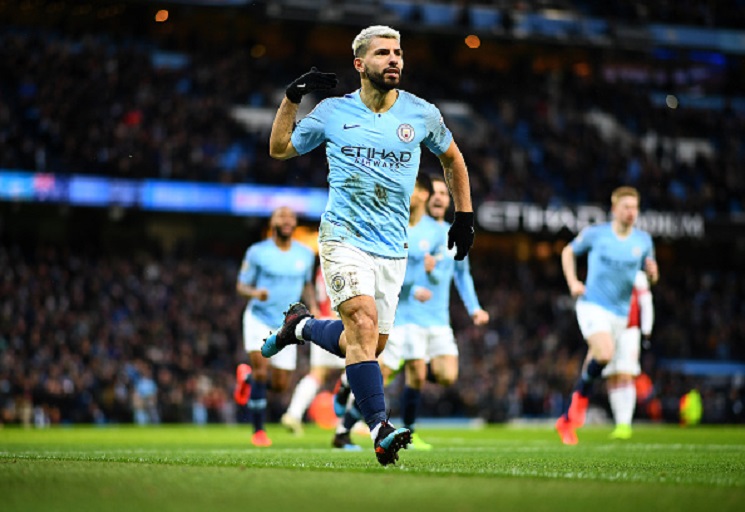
<point>300,86</point>
<point>348,126</point>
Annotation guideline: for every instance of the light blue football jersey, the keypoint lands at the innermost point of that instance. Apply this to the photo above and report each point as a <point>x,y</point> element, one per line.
<point>436,311</point>
<point>282,273</point>
<point>426,237</point>
<point>373,162</point>
<point>612,264</point>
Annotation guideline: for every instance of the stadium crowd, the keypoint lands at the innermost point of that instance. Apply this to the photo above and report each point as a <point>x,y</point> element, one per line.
<point>86,336</point>
<point>91,337</point>
<point>95,104</point>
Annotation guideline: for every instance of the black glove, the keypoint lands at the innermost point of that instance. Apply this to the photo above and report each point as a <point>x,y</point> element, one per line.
<point>311,81</point>
<point>460,234</point>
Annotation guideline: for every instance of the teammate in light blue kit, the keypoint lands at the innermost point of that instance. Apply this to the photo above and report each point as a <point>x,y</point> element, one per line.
<point>372,139</point>
<point>274,273</point>
<point>442,349</point>
<point>616,252</point>
<point>423,326</point>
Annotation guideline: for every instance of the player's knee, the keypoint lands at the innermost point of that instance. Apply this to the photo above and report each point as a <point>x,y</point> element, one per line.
<point>603,355</point>
<point>447,380</point>
<point>364,326</point>
<point>260,374</point>
<point>280,383</point>
<point>415,380</point>
<point>622,380</point>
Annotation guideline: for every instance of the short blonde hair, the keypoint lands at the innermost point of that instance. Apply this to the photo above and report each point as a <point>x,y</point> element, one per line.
<point>624,192</point>
<point>362,42</point>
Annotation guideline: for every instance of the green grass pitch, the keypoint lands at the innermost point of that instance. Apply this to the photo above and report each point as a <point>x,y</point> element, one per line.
<point>180,468</point>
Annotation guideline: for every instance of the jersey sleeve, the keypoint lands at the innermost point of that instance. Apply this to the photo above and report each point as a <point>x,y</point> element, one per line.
<point>438,136</point>
<point>439,252</point>
<point>584,240</point>
<point>464,285</point>
<point>310,132</point>
<point>249,268</point>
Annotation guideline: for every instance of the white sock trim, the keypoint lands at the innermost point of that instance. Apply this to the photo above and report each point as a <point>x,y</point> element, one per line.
<point>375,430</point>
<point>299,328</point>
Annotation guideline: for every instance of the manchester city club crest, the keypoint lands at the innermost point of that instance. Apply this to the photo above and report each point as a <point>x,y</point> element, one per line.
<point>337,283</point>
<point>406,132</point>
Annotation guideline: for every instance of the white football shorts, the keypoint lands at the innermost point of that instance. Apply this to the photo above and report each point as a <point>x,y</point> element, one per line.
<point>593,318</point>
<point>626,357</point>
<point>412,342</point>
<point>320,358</point>
<point>255,332</point>
<point>350,272</point>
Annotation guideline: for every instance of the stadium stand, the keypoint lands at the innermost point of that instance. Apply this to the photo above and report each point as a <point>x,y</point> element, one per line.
<point>549,124</point>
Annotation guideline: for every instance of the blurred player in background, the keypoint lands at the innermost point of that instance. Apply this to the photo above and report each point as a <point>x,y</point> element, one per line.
<point>323,366</point>
<point>616,251</point>
<point>442,349</point>
<point>373,140</point>
<point>408,341</point>
<point>274,272</point>
<point>624,367</point>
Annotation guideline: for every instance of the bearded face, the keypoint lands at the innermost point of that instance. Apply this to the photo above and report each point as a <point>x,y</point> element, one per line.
<point>382,64</point>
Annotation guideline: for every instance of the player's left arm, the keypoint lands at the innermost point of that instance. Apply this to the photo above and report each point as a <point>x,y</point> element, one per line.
<point>650,265</point>
<point>456,177</point>
<point>467,291</point>
<point>461,231</point>
<point>652,270</point>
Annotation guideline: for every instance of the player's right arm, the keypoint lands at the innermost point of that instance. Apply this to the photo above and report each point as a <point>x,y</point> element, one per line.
<point>280,143</point>
<point>580,245</point>
<point>281,146</point>
<point>569,266</point>
<point>251,292</point>
<point>245,285</point>
<point>467,291</point>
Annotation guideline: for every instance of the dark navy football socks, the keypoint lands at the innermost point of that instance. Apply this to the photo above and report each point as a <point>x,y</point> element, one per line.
<point>325,334</point>
<point>351,416</point>
<point>593,370</point>
<point>410,406</point>
<point>366,382</point>
<point>257,404</point>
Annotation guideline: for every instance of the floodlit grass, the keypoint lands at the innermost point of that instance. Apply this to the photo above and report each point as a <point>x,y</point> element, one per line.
<point>498,468</point>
